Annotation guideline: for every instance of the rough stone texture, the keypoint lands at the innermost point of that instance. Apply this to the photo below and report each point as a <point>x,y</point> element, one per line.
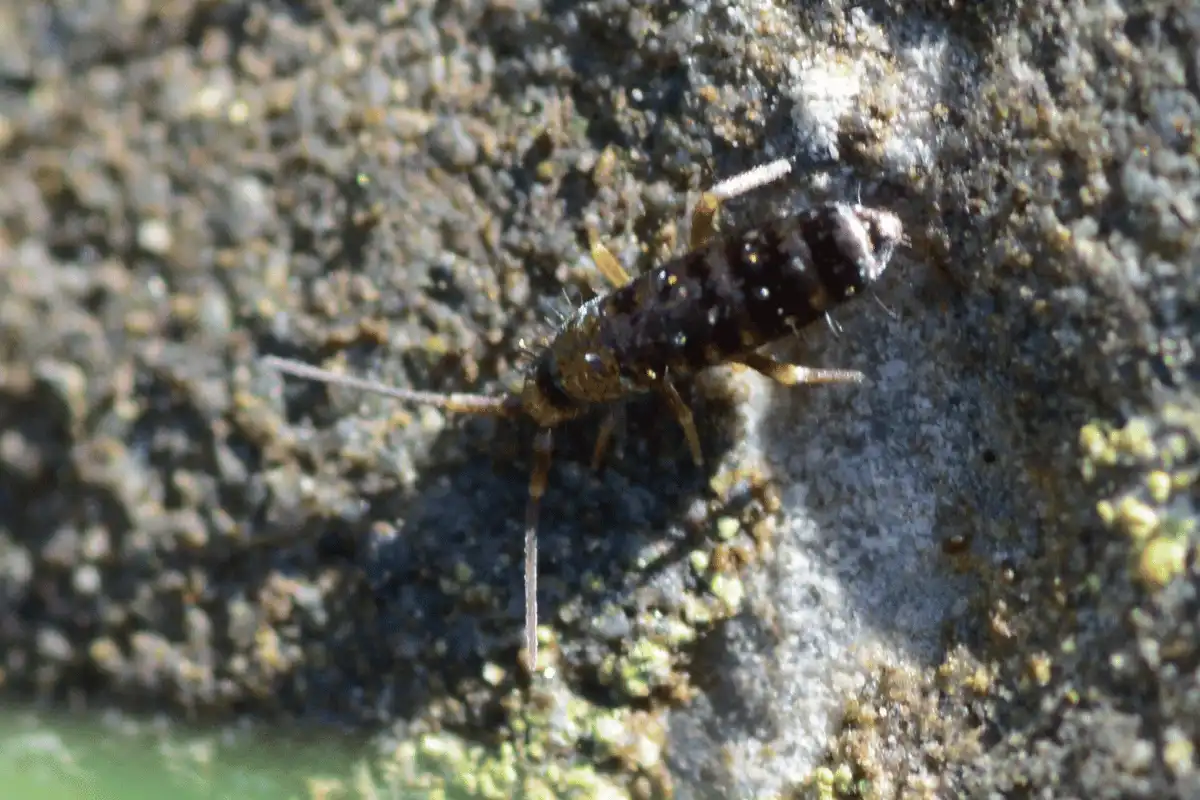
<point>975,575</point>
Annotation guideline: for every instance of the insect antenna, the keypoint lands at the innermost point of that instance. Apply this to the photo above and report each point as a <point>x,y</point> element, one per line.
<point>462,403</point>
<point>552,314</point>
<point>507,405</point>
<point>885,307</point>
<point>543,445</point>
<point>751,179</point>
<point>833,324</point>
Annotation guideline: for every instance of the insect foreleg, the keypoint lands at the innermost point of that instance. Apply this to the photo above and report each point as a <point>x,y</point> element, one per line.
<point>543,446</point>
<point>603,438</point>
<point>792,374</point>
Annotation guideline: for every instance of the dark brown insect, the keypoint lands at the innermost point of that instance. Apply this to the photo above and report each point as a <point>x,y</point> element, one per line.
<point>717,304</point>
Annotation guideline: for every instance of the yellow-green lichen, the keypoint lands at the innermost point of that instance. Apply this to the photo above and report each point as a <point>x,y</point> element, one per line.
<point>675,632</point>
<point>1093,440</point>
<point>1141,511</point>
<point>1178,753</point>
<point>826,784</point>
<point>1136,439</point>
<point>696,611</point>
<point>1158,483</point>
<point>637,673</point>
<point>728,589</point>
<point>727,528</point>
<point>1135,518</point>
<point>1163,559</point>
<point>442,765</point>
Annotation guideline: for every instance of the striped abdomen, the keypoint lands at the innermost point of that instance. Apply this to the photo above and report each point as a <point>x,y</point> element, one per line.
<point>745,290</point>
<point>742,291</point>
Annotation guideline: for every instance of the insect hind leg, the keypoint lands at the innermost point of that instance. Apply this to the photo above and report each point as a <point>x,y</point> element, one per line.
<point>793,374</point>
<point>684,416</point>
<point>543,447</point>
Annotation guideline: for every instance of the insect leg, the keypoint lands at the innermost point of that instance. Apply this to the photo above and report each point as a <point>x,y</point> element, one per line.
<point>606,262</point>
<point>603,438</point>
<point>792,374</point>
<point>705,212</point>
<point>543,446</point>
<point>704,220</point>
<point>684,415</point>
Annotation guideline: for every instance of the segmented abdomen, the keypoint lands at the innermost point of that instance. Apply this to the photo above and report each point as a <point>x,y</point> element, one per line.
<point>744,290</point>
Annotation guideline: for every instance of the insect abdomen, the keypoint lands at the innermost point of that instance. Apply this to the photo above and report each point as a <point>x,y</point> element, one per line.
<point>744,290</point>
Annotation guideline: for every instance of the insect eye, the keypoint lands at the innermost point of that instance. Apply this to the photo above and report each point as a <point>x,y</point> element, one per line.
<point>594,361</point>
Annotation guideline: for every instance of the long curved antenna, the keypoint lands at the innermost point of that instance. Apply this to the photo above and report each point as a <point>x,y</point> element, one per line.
<point>499,405</point>
<point>751,179</point>
<point>885,308</point>
<point>543,445</point>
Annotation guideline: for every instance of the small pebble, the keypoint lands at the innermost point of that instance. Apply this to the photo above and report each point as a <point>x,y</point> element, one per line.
<point>154,236</point>
<point>86,580</point>
<point>452,145</point>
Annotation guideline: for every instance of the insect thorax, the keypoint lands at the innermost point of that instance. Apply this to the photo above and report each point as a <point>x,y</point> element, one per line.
<point>575,370</point>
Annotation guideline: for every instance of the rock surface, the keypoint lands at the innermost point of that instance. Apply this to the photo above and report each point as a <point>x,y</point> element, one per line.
<point>974,575</point>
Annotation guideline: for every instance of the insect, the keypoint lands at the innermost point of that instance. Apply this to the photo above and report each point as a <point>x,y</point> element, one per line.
<point>719,303</point>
